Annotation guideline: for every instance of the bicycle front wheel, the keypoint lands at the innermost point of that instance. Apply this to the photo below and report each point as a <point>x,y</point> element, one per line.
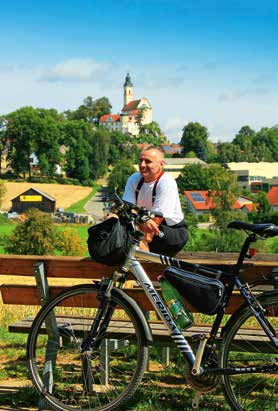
<point>247,345</point>
<point>98,379</point>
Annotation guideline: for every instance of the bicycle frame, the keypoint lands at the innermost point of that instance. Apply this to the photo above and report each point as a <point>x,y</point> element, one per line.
<point>133,265</point>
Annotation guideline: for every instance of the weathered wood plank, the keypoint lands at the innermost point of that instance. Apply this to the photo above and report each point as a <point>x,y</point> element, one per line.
<point>28,295</point>
<point>80,267</point>
<point>250,339</point>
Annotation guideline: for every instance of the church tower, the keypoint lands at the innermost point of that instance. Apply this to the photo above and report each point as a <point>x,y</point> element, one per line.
<point>128,90</point>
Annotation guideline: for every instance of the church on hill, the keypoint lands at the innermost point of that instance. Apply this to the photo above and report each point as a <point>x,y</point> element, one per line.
<point>134,113</point>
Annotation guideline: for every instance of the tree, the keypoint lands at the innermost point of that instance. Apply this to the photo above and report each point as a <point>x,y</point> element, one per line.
<point>193,177</point>
<point>75,134</point>
<point>151,133</point>
<point>244,138</point>
<point>91,110</point>
<point>194,138</point>
<point>31,130</point>
<point>119,175</point>
<point>35,236</point>
<point>39,236</point>
<point>263,212</point>
<point>98,156</point>
<point>229,152</point>
<point>266,144</point>
<point>122,145</point>
<point>69,243</point>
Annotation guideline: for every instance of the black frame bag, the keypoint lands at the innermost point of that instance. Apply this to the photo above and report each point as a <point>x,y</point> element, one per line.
<point>204,293</point>
<point>109,242</point>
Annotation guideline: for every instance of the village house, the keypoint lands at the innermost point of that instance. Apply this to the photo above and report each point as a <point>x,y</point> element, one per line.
<point>200,202</point>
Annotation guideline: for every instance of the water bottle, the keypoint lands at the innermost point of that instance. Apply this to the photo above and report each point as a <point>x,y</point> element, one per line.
<point>182,316</point>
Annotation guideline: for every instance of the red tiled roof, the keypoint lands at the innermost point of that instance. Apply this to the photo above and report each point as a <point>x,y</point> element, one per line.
<point>272,196</point>
<point>249,206</point>
<point>207,203</point>
<point>132,105</point>
<point>114,117</point>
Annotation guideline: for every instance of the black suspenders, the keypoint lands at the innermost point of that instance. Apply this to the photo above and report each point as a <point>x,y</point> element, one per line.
<point>141,182</point>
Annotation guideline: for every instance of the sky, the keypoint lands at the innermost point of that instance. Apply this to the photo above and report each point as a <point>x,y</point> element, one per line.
<point>210,61</point>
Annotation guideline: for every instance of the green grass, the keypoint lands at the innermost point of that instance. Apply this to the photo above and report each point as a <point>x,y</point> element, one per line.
<point>79,206</point>
<point>6,229</point>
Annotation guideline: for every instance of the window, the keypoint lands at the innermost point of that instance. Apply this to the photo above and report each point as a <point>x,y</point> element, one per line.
<point>198,197</point>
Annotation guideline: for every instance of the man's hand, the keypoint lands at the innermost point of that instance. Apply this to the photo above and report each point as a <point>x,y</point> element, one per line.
<point>151,226</point>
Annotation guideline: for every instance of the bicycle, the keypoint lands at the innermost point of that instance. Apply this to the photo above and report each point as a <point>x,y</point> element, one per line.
<point>67,366</point>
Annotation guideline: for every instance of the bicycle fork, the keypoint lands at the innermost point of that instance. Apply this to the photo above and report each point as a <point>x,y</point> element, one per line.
<point>103,316</point>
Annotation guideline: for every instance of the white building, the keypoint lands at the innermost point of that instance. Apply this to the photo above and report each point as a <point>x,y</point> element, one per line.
<point>248,173</point>
<point>134,113</point>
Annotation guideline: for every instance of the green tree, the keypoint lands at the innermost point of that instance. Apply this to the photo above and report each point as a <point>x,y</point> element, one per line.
<point>31,130</point>
<point>76,137</point>
<point>99,154</point>
<point>122,145</point>
<point>69,243</point>
<point>118,177</point>
<point>265,144</point>
<point>229,152</point>
<point>91,110</point>
<point>195,138</point>
<point>37,235</point>
<point>151,133</point>
<point>263,212</point>
<point>244,138</point>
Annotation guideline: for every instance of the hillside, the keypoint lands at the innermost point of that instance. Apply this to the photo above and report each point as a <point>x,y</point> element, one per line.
<point>65,195</point>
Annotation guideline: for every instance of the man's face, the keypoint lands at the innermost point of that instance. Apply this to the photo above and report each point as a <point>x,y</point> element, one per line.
<point>150,164</point>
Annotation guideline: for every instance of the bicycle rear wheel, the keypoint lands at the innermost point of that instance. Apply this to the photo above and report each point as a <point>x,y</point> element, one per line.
<point>246,345</point>
<point>100,379</point>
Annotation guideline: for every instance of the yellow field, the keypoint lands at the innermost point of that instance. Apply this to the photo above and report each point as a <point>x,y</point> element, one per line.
<point>65,195</point>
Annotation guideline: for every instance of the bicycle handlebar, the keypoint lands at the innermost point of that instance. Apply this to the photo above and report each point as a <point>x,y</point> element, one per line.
<point>132,212</point>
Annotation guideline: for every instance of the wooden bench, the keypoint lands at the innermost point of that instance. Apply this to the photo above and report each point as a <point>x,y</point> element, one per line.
<point>46,268</point>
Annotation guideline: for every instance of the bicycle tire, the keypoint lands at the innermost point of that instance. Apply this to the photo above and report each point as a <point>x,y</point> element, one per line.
<point>79,381</point>
<point>252,391</point>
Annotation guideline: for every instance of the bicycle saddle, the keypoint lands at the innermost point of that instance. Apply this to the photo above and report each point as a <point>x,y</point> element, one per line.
<point>265,230</point>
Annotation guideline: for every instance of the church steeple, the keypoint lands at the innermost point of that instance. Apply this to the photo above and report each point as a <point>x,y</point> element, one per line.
<point>128,90</point>
<point>128,81</point>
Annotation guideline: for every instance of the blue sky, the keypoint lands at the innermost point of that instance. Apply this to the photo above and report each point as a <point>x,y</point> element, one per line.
<point>210,61</point>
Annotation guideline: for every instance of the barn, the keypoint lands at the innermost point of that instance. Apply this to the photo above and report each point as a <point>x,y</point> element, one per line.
<point>33,198</point>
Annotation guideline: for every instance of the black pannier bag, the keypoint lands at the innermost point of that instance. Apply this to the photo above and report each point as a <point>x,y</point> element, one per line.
<point>204,293</point>
<point>108,242</point>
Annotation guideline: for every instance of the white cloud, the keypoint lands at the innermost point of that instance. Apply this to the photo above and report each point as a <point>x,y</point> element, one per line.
<point>239,94</point>
<point>76,70</point>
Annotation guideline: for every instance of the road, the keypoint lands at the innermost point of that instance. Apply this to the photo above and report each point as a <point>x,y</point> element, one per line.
<point>95,205</point>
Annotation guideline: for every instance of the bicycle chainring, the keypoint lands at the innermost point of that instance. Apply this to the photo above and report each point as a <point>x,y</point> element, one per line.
<point>203,383</point>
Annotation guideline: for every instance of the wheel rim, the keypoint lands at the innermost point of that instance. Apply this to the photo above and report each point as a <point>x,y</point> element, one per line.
<point>86,381</point>
<point>257,390</point>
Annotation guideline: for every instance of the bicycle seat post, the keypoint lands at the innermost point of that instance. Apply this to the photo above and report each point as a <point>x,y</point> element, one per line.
<point>243,252</point>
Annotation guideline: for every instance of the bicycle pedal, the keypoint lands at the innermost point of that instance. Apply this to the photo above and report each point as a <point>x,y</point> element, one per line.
<point>196,400</point>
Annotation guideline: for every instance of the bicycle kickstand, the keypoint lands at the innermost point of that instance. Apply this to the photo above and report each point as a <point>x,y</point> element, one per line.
<point>196,400</point>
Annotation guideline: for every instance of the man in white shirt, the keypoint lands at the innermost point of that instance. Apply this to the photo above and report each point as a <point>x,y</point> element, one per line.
<point>157,191</point>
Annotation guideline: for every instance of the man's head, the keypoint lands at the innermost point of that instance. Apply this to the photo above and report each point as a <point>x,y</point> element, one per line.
<point>151,163</point>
